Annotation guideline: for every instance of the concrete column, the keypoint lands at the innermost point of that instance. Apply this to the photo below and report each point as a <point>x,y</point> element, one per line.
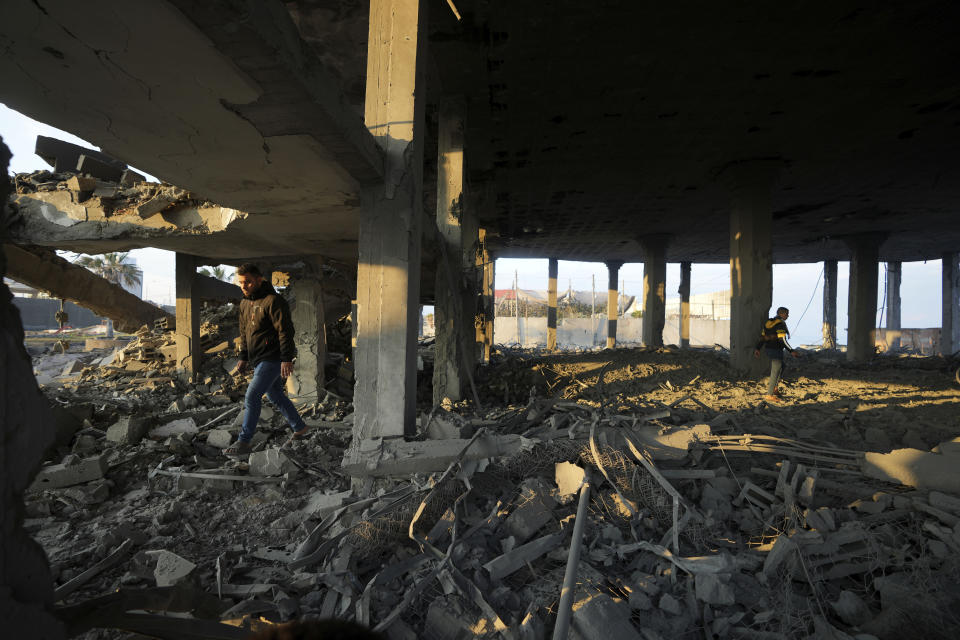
<point>684,292</point>
<point>613,299</point>
<point>487,314</point>
<point>388,275</point>
<point>894,276</point>
<point>751,275</point>
<point>862,298</point>
<point>829,304</point>
<point>457,281</point>
<point>654,288</point>
<point>552,269</point>
<point>950,327</point>
<point>310,337</point>
<point>188,317</point>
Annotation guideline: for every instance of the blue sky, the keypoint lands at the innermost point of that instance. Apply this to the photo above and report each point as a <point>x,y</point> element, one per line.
<point>794,285</point>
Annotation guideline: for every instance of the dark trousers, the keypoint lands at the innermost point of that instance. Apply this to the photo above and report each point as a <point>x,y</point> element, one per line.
<point>777,365</point>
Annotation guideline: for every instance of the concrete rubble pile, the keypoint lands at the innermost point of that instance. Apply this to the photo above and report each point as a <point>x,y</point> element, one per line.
<point>64,207</point>
<point>677,522</point>
<point>130,195</point>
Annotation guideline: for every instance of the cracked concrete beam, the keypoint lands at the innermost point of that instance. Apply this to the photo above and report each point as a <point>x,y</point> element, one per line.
<point>48,272</point>
<point>313,102</point>
<point>207,288</point>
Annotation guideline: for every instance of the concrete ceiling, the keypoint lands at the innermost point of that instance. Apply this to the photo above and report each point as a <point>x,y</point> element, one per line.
<point>589,124</point>
<point>219,97</point>
<point>611,120</point>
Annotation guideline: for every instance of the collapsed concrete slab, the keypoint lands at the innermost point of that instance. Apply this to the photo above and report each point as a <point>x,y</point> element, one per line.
<point>48,272</point>
<point>56,476</point>
<point>383,457</point>
<point>915,468</point>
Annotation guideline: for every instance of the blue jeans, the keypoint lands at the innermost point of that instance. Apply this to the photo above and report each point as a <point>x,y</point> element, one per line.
<point>777,365</point>
<point>266,379</point>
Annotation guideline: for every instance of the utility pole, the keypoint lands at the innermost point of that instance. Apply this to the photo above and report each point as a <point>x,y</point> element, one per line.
<point>516,296</point>
<point>593,308</point>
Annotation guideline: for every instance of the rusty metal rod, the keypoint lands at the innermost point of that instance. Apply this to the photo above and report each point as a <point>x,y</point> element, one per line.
<point>564,610</point>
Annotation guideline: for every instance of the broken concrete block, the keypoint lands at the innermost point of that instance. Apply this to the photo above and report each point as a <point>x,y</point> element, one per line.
<point>948,447</point>
<point>388,457</point>
<point>81,183</point>
<point>74,366</point>
<point>534,509</point>
<point>600,617</point>
<point>516,559</point>
<point>66,424</point>
<point>130,177</point>
<point>175,427</point>
<point>171,569</point>
<point>877,438</point>
<point>128,430</point>
<point>714,588</point>
<point>782,548</point>
<point>569,478</point>
<point>670,604</point>
<point>821,520</point>
<point>913,440</point>
<point>220,438</point>
<point>914,468</point>
<point>669,443</point>
<point>446,620</point>
<point>321,504</point>
<point>270,462</point>
<point>56,476</point>
<point>220,348</point>
<point>944,502</point>
<point>97,168</point>
<point>639,601</point>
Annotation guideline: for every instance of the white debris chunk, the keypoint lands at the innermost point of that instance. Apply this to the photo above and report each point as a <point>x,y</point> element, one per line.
<point>175,427</point>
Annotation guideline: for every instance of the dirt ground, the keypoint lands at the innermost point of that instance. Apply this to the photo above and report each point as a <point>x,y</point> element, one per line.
<point>242,535</point>
<point>892,401</point>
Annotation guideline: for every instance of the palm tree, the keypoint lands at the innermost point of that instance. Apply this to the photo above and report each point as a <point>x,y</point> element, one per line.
<point>112,267</point>
<point>217,272</point>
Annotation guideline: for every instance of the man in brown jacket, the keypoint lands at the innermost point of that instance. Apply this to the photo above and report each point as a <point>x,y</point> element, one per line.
<point>266,344</point>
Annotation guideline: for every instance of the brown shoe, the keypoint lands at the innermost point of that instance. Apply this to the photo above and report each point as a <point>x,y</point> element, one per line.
<point>773,399</point>
<point>238,448</point>
<point>299,435</point>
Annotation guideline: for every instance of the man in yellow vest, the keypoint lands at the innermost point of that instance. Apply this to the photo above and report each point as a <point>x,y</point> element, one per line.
<point>773,340</point>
